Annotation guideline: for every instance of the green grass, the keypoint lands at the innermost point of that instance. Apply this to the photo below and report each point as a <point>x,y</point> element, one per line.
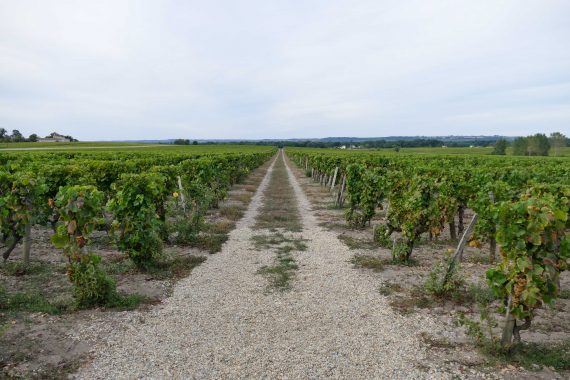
<point>222,227</point>
<point>281,273</point>
<point>211,242</point>
<point>33,301</point>
<point>175,268</point>
<point>233,213</point>
<point>276,239</point>
<point>408,304</point>
<point>43,270</point>
<point>532,355</point>
<point>564,294</point>
<point>355,243</point>
<point>121,302</point>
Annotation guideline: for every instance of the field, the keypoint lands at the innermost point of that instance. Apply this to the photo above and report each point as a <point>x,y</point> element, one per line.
<point>234,254</point>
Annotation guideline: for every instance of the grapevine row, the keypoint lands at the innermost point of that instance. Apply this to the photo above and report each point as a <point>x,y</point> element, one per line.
<point>522,204</point>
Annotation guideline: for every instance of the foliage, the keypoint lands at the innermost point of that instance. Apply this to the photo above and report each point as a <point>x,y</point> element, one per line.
<point>188,211</point>
<point>443,286</point>
<point>382,236</point>
<point>21,204</point>
<point>535,249</point>
<point>535,145</point>
<point>500,148</point>
<point>135,205</point>
<point>365,188</point>
<point>80,211</point>
<point>92,286</point>
<point>557,140</point>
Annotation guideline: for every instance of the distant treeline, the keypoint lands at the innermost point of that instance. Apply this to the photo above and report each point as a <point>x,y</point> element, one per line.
<point>17,136</point>
<point>535,145</point>
<point>418,143</point>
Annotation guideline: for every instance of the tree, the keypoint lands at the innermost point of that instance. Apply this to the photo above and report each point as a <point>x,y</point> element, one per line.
<point>17,136</point>
<point>194,142</point>
<point>33,138</point>
<point>520,146</point>
<point>538,145</point>
<point>3,133</point>
<point>557,141</point>
<point>535,145</point>
<point>500,147</point>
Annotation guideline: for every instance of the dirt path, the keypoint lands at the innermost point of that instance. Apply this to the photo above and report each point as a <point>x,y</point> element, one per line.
<point>222,322</point>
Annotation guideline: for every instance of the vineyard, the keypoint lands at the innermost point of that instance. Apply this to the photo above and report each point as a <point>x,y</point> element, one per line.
<point>483,239</point>
<point>520,206</point>
<point>135,202</point>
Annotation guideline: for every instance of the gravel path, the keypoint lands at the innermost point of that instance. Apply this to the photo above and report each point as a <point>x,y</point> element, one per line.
<point>222,323</point>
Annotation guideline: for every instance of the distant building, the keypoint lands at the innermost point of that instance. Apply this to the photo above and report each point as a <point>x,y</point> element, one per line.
<point>54,137</point>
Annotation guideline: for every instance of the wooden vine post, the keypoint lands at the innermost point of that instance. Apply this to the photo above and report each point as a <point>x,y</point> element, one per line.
<point>27,243</point>
<point>492,240</point>
<point>181,194</point>
<point>458,254</point>
<point>334,178</point>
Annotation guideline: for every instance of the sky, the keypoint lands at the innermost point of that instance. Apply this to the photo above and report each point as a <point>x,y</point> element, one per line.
<point>118,70</point>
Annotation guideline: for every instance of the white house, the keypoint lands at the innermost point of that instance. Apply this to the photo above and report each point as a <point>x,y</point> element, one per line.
<point>54,137</point>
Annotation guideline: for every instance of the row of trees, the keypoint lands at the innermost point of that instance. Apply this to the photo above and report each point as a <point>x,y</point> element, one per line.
<point>184,142</point>
<point>535,145</point>
<point>17,136</point>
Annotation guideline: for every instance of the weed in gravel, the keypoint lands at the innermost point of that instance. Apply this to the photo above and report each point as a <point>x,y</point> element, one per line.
<point>211,242</point>
<point>417,299</point>
<point>233,213</point>
<point>354,243</point>
<point>295,245</point>
<point>276,239</point>
<point>368,262</point>
<point>221,227</point>
<point>122,302</point>
<point>244,198</point>
<point>435,342</point>
<point>280,274</point>
<point>564,294</point>
<point>175,268</point>
<point>388,288</point>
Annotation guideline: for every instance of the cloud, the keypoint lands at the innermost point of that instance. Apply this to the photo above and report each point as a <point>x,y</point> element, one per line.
<point>257,69</point>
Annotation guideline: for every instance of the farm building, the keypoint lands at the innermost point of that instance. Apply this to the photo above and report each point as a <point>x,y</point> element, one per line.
<point>54,137</point>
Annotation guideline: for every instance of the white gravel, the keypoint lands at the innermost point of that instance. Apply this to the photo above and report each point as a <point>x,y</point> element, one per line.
<point>221,323</point>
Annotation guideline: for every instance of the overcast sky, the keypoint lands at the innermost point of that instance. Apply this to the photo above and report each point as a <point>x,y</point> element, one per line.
<point>103,70</point>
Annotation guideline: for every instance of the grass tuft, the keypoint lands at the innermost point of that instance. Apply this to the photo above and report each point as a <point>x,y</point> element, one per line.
<point>368,262</point>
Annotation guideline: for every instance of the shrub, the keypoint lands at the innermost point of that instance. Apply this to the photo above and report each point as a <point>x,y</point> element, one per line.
<point>80,210</point>
<point>136,204</point>
<point>442,283</point>
<point>382,236</point>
